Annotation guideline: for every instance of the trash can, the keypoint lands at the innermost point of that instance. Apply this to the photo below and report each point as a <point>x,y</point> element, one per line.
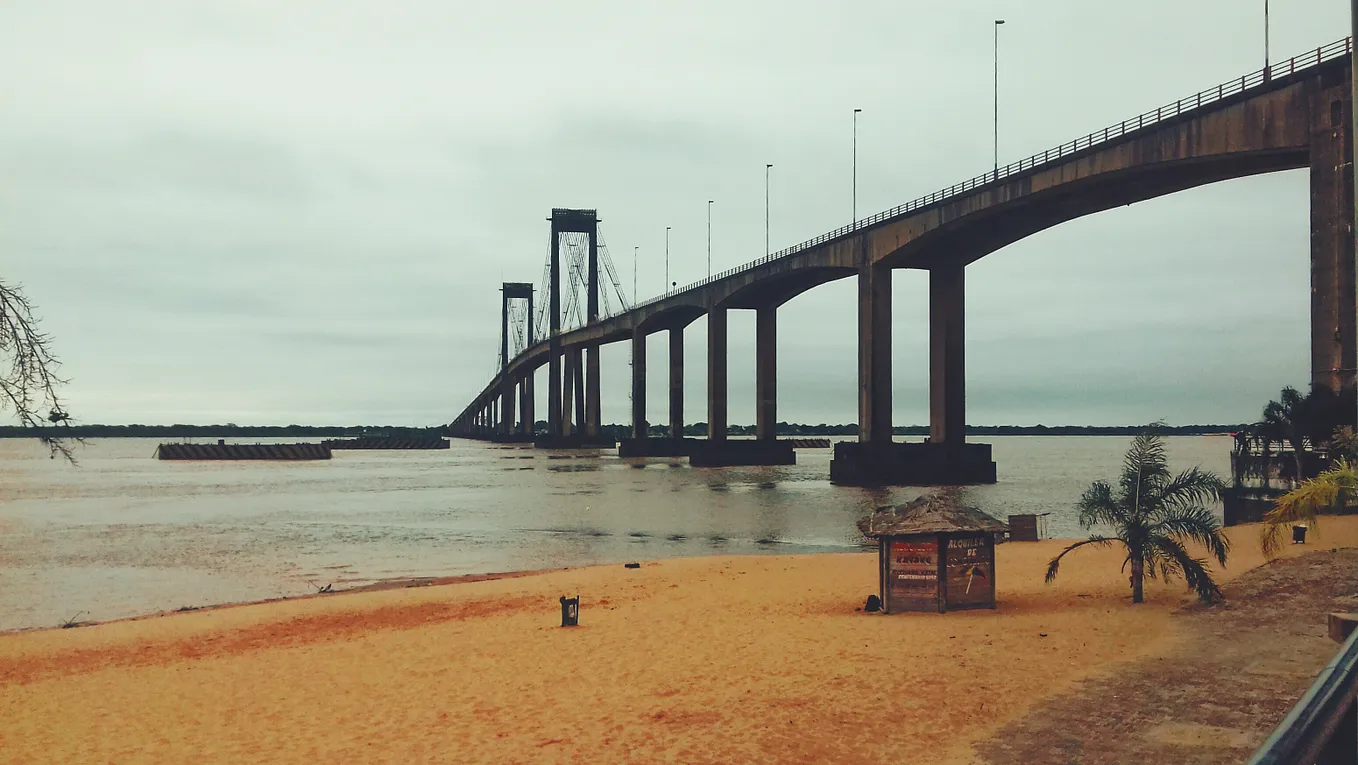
<point>570,611</point>
<point>1299,534</point>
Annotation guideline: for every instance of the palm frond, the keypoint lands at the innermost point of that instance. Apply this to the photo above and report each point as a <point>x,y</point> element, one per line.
<point>1143,468</point>
<point>1198,524</point>
<point>1191,488</point>
<point>1055,565</point>
<point>1304,503</point>
<point>1098,505</point>
<point>1193,570</point>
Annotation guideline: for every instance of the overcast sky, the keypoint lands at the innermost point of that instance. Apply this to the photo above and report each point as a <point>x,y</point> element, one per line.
<point>301,211</point>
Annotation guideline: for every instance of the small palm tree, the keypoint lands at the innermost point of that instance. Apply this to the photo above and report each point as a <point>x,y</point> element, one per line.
<point>1154,514</point>
<point>1330,489</point>
<point>1343,444</point>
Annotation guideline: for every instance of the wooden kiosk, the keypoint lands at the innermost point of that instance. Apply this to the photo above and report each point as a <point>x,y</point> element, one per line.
<point>934,554</point>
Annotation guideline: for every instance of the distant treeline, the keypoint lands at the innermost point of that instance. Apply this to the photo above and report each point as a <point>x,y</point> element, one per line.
<point>231,430</point>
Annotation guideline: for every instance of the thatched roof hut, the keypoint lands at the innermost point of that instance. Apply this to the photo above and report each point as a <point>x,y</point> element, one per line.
<point>934,554</point>
<point>940,512</point>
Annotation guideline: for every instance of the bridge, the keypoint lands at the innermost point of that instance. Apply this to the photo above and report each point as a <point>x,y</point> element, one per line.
<point>1294,114</point>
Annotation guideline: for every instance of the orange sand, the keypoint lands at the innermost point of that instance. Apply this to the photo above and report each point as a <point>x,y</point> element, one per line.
<point>740,659</point>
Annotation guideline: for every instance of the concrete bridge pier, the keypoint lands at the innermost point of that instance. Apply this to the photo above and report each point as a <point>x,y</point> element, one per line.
<point>592,403</point>
<point>641,444</point>
<point>716,375</point>
<point>640,430</point>
<point>1334,290</point>
<point>945,458</point>
<point>718,450</point>
<point>527,406</point>
<point>578,389</point>
<point>766,373</point>
<point>676,383</point>
<point>949,459</point>
<point>507,409</point>
<point>869,460</point>
<point>569,423</point>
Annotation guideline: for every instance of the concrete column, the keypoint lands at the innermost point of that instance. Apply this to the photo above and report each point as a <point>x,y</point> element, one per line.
<point>555,426</point>
<point>1334,293</point>
<point>592,390</point>
<point>874,354</point>
<point>639,428</point>
<point>529,404</point>
<point>676,382</point>
<point>947,352</point>
<point>504,329</point>
<point>592,404</point>
<point>716,374</point>
<point>766,372</point>
<point>578,394</point>
<point>506,407</point>
<point>568,423</point>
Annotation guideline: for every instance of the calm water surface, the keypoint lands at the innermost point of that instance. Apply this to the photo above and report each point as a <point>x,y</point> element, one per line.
<point>125,534</point>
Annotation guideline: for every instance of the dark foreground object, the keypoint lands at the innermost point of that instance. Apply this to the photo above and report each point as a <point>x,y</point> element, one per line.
<point>388,442</point>
<point>224,451</point>
<point>911,464</point>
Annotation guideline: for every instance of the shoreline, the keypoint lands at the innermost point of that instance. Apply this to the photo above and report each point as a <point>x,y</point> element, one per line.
<point>380,585</point>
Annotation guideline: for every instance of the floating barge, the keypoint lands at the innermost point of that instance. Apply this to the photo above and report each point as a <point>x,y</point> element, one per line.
<point>224,451</point>
<point>388,442</point>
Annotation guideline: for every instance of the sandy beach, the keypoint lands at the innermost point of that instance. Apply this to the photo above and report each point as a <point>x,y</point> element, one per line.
<point>736,659</point>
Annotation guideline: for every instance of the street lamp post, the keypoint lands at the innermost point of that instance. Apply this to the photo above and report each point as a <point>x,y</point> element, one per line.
<point>767,167</point>
<point>709,238</point>
<point>667,259</point>
<point>636,298</point>
<point>1267,73</point>
<point>998,22</point>
<point>856,112</point>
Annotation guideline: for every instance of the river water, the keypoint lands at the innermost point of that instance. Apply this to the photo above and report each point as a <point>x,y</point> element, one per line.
<point>123,534</point>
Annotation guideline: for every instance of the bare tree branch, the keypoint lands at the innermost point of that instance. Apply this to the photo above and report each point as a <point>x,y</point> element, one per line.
<point>28,378</point>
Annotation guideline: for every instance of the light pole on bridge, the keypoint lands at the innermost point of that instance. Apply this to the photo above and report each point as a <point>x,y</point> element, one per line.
<point>767,167</point>
<point>998,22</point>
<point>667,259</point>
<point>856,112</point>
<point>636,298</point>
<point>1267,74</point>
<point>709,238</point>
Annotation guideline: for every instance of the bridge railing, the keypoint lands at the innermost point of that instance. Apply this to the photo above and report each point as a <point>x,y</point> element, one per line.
<point>1200,99</point>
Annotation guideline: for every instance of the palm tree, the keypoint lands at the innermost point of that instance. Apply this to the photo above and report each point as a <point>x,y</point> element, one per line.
<point>1330,489</point>
<point>1295,418</point>
<point>1154,514</point>
<point>1288,419</point>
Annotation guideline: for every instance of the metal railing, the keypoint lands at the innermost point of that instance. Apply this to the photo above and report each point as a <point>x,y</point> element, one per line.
<point>1320,728</point>
<point>1202,98</point>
